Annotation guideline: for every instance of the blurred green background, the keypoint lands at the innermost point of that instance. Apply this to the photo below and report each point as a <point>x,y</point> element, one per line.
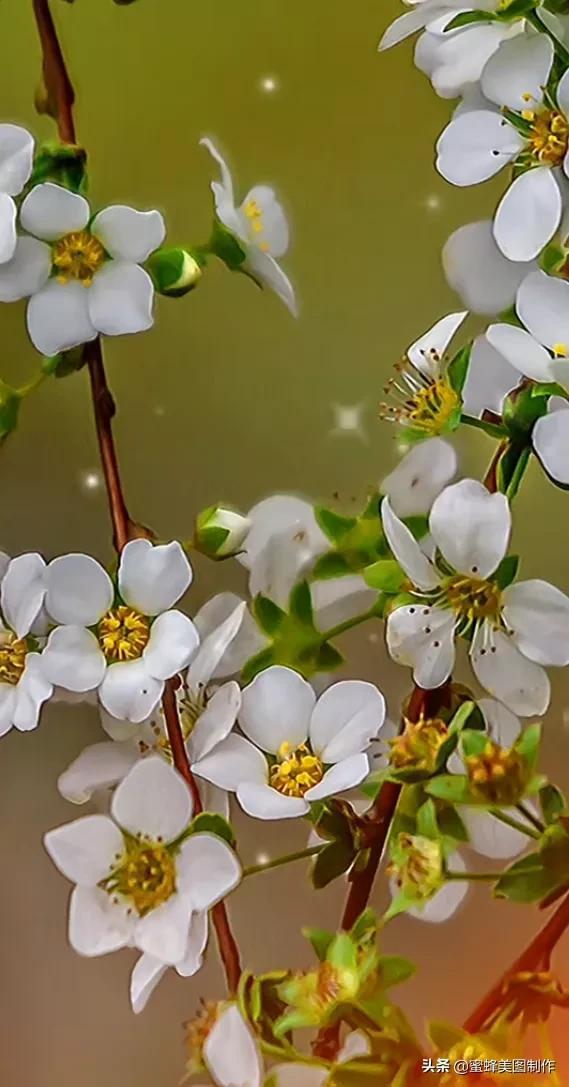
<point>230,398</point>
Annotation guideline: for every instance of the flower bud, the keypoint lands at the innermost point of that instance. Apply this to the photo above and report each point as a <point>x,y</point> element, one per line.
<point>174,271</point>
<point>220,532</point>
<point>418,866</point>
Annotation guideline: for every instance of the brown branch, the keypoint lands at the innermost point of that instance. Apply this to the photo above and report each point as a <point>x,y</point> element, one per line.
<point>61,97</point>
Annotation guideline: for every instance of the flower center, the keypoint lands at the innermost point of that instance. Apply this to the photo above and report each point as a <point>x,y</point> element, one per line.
<point>419,744</point>
<point>146,877</point>
<point>498,775</point>
<point>416,400</point>
<point>296,770</point>
<point>255,216</point>
<point>549,136</point>
<point>13,653</point>
<point>77,256</point>
<point>123,634</point>
<point>419,867</point>
<point>474,598</point>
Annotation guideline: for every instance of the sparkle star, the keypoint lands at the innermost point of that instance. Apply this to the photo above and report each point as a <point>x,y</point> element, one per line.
<point>269,84</point>
<point>348,420</point>
<point>91,481</point>
<point>432,202</point>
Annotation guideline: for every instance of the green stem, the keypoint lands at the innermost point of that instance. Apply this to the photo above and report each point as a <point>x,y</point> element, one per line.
<point>24,390</point>
<point>333,632</point>
<point>495,430</point>
<point>515,824</point>
<point>473,877</point>
<point>288,858</point>
<point>531,818</point>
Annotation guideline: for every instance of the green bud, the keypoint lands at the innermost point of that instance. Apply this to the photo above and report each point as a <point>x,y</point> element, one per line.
<point>174,271</point>
<point>220,532</point>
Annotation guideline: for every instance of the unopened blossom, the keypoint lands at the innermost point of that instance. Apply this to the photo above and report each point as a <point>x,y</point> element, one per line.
<point>514,631</point>
<point>124,646</point>
<point>260,227</point>
<point>83,275</point>
<point>23,685</point>
<point>16,162</point>
<point>485,280</point>
<point>533,133</point>
<point>420,397</point>
<point>140,878</point>
<point>296,749</point>
<point>452,59</point>
<point>418,875</point>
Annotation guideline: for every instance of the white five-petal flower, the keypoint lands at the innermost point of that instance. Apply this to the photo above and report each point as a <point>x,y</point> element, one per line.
<point>83,275</point>
<point>125,649</point>
<point>137,883</point>
<point>23,685</point>
<point>296,749</point>
<point>514,631</point>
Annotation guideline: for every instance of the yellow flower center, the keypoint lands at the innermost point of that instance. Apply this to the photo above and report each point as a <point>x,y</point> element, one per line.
<point>474,598</point>
<point>498,775</point>
<point>296,770</point>
<point>146,877</point>
<point>13,653</point>
<point>123,634</point>
<point>77,256</point>
<point>419,401</point>
<point>255,216</point>
<point>420,867</point>
<point>549,136</point>
<point>419,744</point>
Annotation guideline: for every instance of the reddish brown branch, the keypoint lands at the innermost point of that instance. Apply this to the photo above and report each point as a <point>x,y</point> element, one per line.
<point>104,409</point>
<point>59,88</point>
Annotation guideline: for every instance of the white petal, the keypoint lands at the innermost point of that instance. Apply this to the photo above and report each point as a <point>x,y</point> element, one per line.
<point>129,692</point>
<point>8,696</point>
<point>345,719</point>
<point>491,838</point>
<point>480,274</point>
<point>505,673</point>
<point>538,615</point>
<point>423,638</point>
<point>447,901</point>
<point>213,648</point>
<point>461,55</point>
<point>32,691</point>
<point>50,211</point>
<point>263,802</point>
<point>298,1074</point>
<point>436,341</point>
<point>195,947</point>
<point>8,236</point>
<point>120,299</point>
<point>518,71</point>
<point>231,1053</point>
<point>521,351</point>
<point>27,271</point>
<point>58,317</point>
<point>543,307</point>
<point>79,590</point>
<point>339,598</point>
<point>97,925</point>
<point>281,513</point>
<point>528,214</point>
<point>22,592</point>
<point>211,870</point>
<point>345,774</point>
<point>153,800</point>
<point>275,232</point>
<point>407,551</point>
<point>550,437</point>
<point>99,766</point>
<point>403,27</point>
<point>128,234</point>
<point>269,273</point>
<point>16,158</point>
<point>173,640</point>
<point>163,932</point>
<point>152,579</point>
<point>503,725</point>
<point>420,476</point>
<point>490,378</point>
<point>145,976</point>
<point>471,527</point>
<point>233,761</point>
<point>357,1044</point>
<point>475,146</point>
<point>86,850</point>
<point>226,181</point>
<point>216,721</point>
<point>247,641</point>
<point>72,659</point>
<point>276,708</point>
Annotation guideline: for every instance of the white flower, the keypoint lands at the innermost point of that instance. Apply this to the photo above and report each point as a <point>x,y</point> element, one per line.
<point>453,59</point>
<point>126,649</point>
<point>149,969</point>
<point>420,476</point>
<point>478,143</point>
<point>514,631</point>
<point>297,749</point>
<point>137,883</point>
<point>482,276</point>
<point>489,381</point>
<point>259,225</point>
<point>83,276</point>
<point>231,1053</point>
<point>206,717</point>
<point>444,903</point>
<point>16,162</point>
<point>23,685</point>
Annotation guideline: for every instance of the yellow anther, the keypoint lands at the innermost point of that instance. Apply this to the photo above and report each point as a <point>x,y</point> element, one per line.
<point>77,256</point>
<point>296,770</point>
<point>146,876</point>
<point>123,634</point>
<point>13,653</point>
<point>474,598</point>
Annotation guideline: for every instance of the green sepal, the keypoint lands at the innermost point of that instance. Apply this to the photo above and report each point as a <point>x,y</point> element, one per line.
<point>457,371</point>
<point>451,825</point>
<point>175,271</point>
<point>331,862</point>
<point>208,822</point>
<point>507,571</point>
<point>444,1036</point>
<point>521,410</point>
<point>400,904</point>
<point>473,742</point>
<point>385,575</point>
<point>453,788</point>
<point>332,564</point>
<point>268,614</point>
<point>365,927</point>
<point>257,664</point>
<point>466,18</point>
<point>320,938</point>
<point>427,825</point>
<point>418,525</point>
<point>334,525</point>
<point>527,744</point>
<point>552,258</point>
<point>62,163</point>
<point>394,970</point>
<point>343,952</point>
<point>300,604</point>
<point>224,244</point>
<point>68,362</point>
<point>551,802</point>
<point>212,539</point>
<point>527,880</point>
<point>328,658</point>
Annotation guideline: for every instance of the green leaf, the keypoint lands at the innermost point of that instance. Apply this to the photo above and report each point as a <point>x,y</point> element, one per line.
<point>333,525</point>
<point>451,787</point>
<point>552,803</point>
<point>211,823</point>
<point>451,825</point>
<point>268,614</point>
<point>385,575</point>
<point>458,368</point>
<point>427,824</point>
<point>343,952</point>
<point>394,969</point>
<point>507,571</point>
<point>468,17</point>
<point>300,604</point>
<point>334,822</point>
<point>333,564</point>
<point>527,744</point>
<point>61,163</point>
<point>333,861</point>
<point>320,938</point>
<point>527,880</point>
<point>462,715</point>
<point>328,658</point>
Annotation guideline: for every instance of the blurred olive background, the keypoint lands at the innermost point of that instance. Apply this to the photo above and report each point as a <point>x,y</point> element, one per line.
<point>230,398</point>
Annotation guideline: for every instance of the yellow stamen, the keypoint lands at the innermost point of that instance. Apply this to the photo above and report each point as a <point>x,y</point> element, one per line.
<point>296,770</point>
<point>123,634</point>
<point>560,350</point>
<point>13,653</point>
<point>474,598</point>
<point>417,400</point>
<point>77,257</point>
<point>549,137</point>
<point>146,876</point>
<point>497,775</point>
